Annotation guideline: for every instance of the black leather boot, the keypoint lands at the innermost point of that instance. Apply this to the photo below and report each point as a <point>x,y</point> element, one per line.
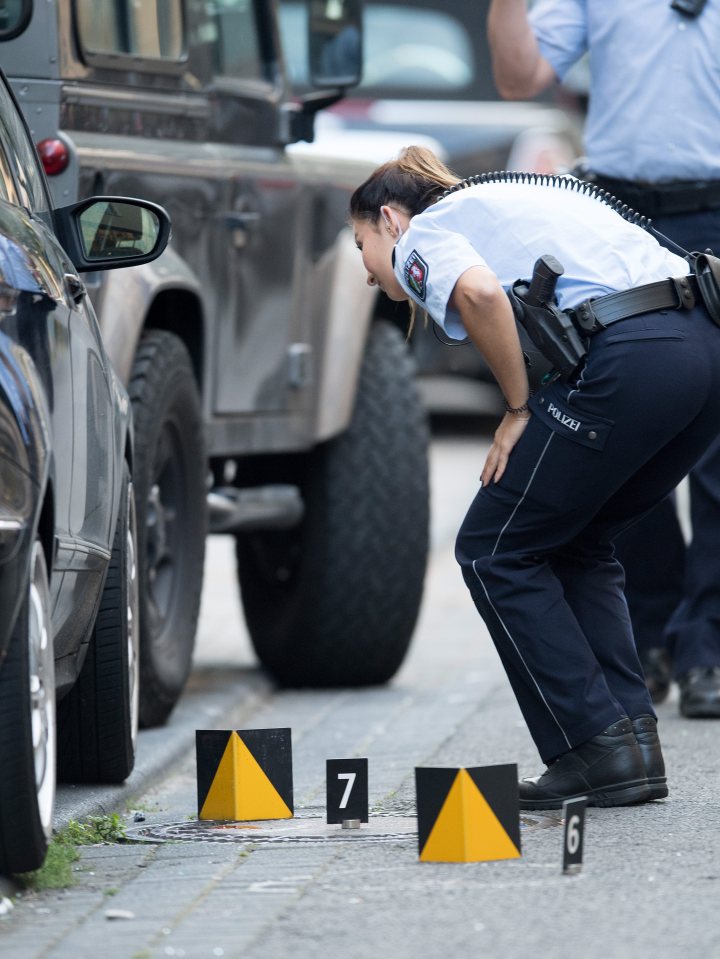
<point>700,693</point>
<point>608,769</point>
<point>645,729</point>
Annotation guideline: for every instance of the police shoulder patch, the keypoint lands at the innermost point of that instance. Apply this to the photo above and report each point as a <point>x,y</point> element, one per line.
<point>416,273</point>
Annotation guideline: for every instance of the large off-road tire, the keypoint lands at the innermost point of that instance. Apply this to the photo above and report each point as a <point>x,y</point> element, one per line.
<point>27,730</point>
<point>169,476</point>
<point>98,718</point>
<point>334,601</point>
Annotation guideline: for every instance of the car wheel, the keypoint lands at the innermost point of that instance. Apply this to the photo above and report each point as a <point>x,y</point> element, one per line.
<point>334,601</point>
<point>27,730</point>
<point>98,718</point>
<point>169,474</point>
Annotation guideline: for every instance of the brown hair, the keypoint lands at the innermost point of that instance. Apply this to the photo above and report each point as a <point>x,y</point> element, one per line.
<point>413,182</point>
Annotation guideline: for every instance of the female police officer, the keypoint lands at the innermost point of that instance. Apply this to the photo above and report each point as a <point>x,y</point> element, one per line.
<point>573,465</point>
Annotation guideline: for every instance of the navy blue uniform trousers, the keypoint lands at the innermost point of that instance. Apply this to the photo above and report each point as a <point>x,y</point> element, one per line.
<point>536,549</point>
<point>673,591</point>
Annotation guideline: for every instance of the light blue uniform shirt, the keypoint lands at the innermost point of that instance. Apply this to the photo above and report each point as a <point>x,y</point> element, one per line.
<point>655,80</point>
<point>506,227</point>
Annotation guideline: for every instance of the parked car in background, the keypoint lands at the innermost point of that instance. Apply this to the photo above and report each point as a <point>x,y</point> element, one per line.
<point>274,397</point>
<point>427,72</point>
<point>68,577</point>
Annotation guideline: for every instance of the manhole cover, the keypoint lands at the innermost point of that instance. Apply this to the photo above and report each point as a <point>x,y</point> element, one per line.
<point>380,829</point>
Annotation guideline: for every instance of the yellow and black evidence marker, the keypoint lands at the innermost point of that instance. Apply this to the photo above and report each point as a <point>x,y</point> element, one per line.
<point>244,774</point>
<point>468,815</point>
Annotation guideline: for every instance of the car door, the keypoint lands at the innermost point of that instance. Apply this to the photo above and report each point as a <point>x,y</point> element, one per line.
<point>61,336</point>
<point>254,262</point>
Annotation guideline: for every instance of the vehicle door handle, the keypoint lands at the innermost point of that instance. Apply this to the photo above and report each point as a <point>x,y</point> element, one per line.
<point>241,224</point>
<point>75,287</point>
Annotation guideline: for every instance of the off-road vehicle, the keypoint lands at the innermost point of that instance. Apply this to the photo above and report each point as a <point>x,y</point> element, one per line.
<point>268,381</point>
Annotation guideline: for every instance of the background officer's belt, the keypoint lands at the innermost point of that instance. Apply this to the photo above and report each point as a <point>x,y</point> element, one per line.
<point>661,199</point>
<point>678,293</point>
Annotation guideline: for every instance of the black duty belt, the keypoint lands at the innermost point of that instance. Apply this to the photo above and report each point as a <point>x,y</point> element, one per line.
<point>661,199</point>
<point>678,293</point>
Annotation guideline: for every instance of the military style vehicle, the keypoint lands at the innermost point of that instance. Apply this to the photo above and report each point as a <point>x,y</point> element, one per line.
<point>273,395</point>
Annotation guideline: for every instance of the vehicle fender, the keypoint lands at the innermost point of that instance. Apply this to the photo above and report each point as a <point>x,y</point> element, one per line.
<point>23,398</point>
<point>125,298</point>
<point>23,394</point>
<point>349,311</point>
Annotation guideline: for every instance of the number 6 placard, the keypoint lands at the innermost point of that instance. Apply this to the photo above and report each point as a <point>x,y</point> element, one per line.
<point>347,790</point>
<point>574,816</point>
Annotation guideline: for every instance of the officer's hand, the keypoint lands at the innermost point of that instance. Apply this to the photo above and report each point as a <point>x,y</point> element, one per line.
<point>507,434</point>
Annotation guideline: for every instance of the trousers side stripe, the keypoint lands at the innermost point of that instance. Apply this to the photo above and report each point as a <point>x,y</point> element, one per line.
<point>520,655</point>
<point>524,494</point>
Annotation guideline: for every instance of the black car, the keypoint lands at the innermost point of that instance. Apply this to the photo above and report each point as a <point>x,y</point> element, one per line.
<point>68,584</point>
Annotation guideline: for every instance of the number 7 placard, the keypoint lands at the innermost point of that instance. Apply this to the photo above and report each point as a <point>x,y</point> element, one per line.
<point>347,790</point>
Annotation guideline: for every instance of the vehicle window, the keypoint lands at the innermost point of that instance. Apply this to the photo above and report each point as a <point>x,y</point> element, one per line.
<point>152,29</point>
<point>14,17</point>
<point>19,164</point>
<point>228,28</point>
<point>405,47</point>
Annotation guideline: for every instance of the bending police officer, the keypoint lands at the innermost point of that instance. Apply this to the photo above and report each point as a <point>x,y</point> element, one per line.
<point>570,467</point>
<point>651,139</point>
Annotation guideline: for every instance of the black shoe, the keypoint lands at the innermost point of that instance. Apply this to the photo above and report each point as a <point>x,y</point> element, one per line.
<point>658,674</point>
<point>608,769</point>
<point>700,693</point>
<point>645,729</point>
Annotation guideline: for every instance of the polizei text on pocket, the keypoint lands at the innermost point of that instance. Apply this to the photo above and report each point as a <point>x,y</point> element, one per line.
<point>563,418</point>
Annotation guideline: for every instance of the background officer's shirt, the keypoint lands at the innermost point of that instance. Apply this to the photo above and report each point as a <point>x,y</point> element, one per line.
<point>506,227</point>
<point>655,82</point>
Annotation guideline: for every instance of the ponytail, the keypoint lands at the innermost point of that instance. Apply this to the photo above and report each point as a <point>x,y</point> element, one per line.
<point>413,182</point>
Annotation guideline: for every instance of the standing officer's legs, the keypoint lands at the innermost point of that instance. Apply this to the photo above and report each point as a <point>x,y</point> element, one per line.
<point>662,576</point>
<point>694,630</point>
<point>652,553</point>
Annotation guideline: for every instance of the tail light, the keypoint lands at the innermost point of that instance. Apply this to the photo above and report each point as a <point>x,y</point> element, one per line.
<point>54,156</point>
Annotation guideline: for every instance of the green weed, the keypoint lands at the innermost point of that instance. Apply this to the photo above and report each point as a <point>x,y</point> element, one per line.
<point>57,872</point>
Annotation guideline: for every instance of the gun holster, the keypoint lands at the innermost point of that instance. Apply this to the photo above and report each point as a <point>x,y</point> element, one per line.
<point>551,330</point>
<point>707,274</point>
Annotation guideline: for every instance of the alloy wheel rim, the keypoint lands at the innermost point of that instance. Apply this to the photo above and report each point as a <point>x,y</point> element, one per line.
<point>42,691</point>
<point>133,614</point>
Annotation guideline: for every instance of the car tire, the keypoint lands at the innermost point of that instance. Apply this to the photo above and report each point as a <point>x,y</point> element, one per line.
<point>169,474</point>
<point>28,730</point>
<point>334,602</point>
<point>98,718</point>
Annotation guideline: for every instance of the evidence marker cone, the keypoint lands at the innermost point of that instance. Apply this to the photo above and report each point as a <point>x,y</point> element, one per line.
<point>468,815</point>
<point>244,775</point>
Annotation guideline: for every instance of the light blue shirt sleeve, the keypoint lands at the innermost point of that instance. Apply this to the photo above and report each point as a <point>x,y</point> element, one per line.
<point>560,27</point>
<point>429,260</point>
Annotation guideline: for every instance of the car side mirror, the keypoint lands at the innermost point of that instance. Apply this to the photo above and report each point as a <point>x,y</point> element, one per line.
<point>108,232</point>
<point>335,42</point>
